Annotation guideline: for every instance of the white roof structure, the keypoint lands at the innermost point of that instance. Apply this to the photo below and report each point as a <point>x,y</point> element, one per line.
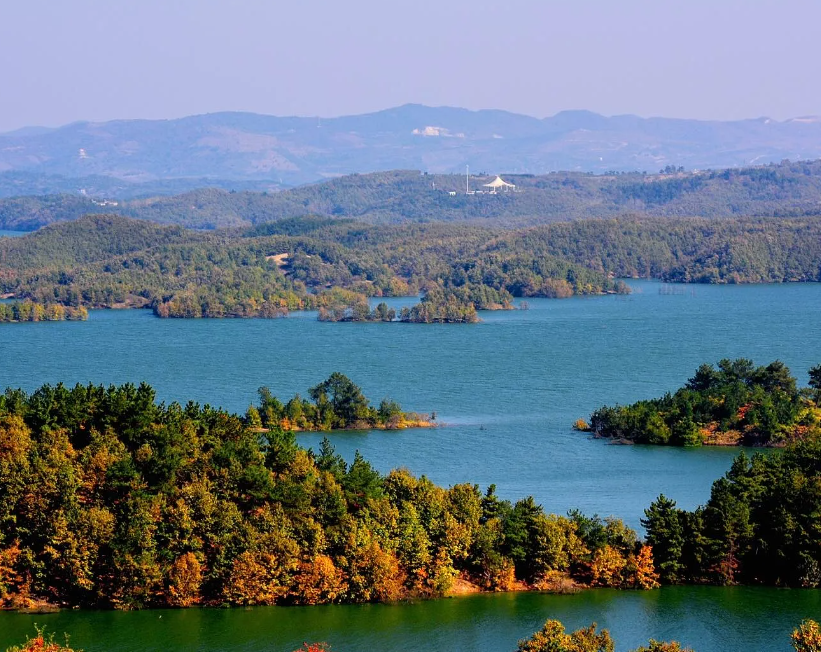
<point>498,182</point>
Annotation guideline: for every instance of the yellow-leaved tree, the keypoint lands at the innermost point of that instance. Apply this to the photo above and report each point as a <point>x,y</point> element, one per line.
<point>807,637</point>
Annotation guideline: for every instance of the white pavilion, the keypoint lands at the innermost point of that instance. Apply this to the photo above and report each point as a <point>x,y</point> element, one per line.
<point>499,184</point>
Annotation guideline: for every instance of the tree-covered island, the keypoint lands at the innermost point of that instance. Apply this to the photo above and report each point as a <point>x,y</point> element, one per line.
<point>336,404</point>
<point>732,404</point>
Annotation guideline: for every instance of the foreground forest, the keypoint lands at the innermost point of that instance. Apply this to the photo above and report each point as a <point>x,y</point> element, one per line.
<point>334,265</point>
<point>398,196</point>
<point>110,499</point>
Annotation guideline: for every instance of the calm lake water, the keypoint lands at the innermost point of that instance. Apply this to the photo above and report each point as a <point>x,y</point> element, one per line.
<point>12,234</point>
<point>508,389</point>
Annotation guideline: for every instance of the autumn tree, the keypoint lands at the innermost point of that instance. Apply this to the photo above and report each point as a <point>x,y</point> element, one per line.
<point>552,638</point>
<point>184,579</point>
<point>807,637</point>
<point>319,581</point>
<point>662,646</point>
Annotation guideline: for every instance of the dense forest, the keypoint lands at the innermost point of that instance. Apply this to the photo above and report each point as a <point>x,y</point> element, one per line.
<point>335,265</point>
<point>106,260</point>
<point>733,404</point>
<point>110,499</point>
<point>760,525</point>
<point>786,189</point>
<point>109,261</point>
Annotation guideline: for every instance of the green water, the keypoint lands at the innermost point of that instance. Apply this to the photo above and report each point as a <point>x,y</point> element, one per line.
<point>706,618</point>
<point>508,388</point>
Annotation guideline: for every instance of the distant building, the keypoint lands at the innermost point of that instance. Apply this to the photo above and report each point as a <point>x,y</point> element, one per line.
<point>499,183</point>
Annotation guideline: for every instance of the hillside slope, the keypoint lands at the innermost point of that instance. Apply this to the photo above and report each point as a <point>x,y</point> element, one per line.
<point>788,189</point>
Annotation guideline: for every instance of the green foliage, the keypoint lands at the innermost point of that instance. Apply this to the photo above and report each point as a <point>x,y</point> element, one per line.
<point>344,305</point>
<point>692,250</point>
<point>552,638</point>
<point>335,265</point>
<point>106,261</point>
<point>665,533</point>
<point>758,527</point>
<point>109,499</point>
<point>337,404</point>
<point>26,311</point>
<point>440,306</point>
<point>787,189</point>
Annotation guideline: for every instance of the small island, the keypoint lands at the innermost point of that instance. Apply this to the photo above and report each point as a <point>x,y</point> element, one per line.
<point>336,404</point>
<point>735,404</point>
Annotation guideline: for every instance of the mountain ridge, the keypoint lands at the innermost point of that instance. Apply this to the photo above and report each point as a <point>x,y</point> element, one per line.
<point>292,150</point>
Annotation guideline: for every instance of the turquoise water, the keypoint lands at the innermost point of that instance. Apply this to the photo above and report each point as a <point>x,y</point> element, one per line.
<point>12,234</point>
<point>508,389</point>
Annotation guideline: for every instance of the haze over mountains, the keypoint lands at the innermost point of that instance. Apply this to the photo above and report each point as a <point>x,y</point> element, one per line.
<point>244,151</point>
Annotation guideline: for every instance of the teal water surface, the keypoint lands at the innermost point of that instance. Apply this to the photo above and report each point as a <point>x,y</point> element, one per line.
<point>508,389</point>
<point>12,234</point>
<point>708,619</point>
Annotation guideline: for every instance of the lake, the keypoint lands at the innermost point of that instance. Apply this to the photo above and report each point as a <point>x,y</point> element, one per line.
<point>508,390</point>
<point>12,234</point>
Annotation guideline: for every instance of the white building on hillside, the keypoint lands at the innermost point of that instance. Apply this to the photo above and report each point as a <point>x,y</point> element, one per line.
<point>499,184</point>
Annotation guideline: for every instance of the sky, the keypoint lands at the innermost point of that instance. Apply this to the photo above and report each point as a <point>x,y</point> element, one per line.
<point>68,60</point>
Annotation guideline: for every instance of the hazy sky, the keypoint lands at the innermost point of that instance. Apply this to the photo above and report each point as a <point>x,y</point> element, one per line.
<point>66,60</point>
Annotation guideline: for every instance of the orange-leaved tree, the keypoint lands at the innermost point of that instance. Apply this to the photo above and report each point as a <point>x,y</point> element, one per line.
<point>807,637</point>
<point>42,643</point>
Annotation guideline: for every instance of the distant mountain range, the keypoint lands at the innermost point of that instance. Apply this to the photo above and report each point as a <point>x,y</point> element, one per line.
<point>244,151</point>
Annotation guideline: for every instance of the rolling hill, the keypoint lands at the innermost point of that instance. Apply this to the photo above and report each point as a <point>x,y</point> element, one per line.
<point>780,190</point>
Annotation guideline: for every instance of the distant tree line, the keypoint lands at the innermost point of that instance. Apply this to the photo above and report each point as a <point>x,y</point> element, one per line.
<point>317,263</point>
<point>401,196</point>
<point>28,311</point>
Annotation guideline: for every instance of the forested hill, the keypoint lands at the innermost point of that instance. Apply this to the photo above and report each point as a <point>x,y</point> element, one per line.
<point>334,264</point>
<point>87,240</point>
<point>789,189</point>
